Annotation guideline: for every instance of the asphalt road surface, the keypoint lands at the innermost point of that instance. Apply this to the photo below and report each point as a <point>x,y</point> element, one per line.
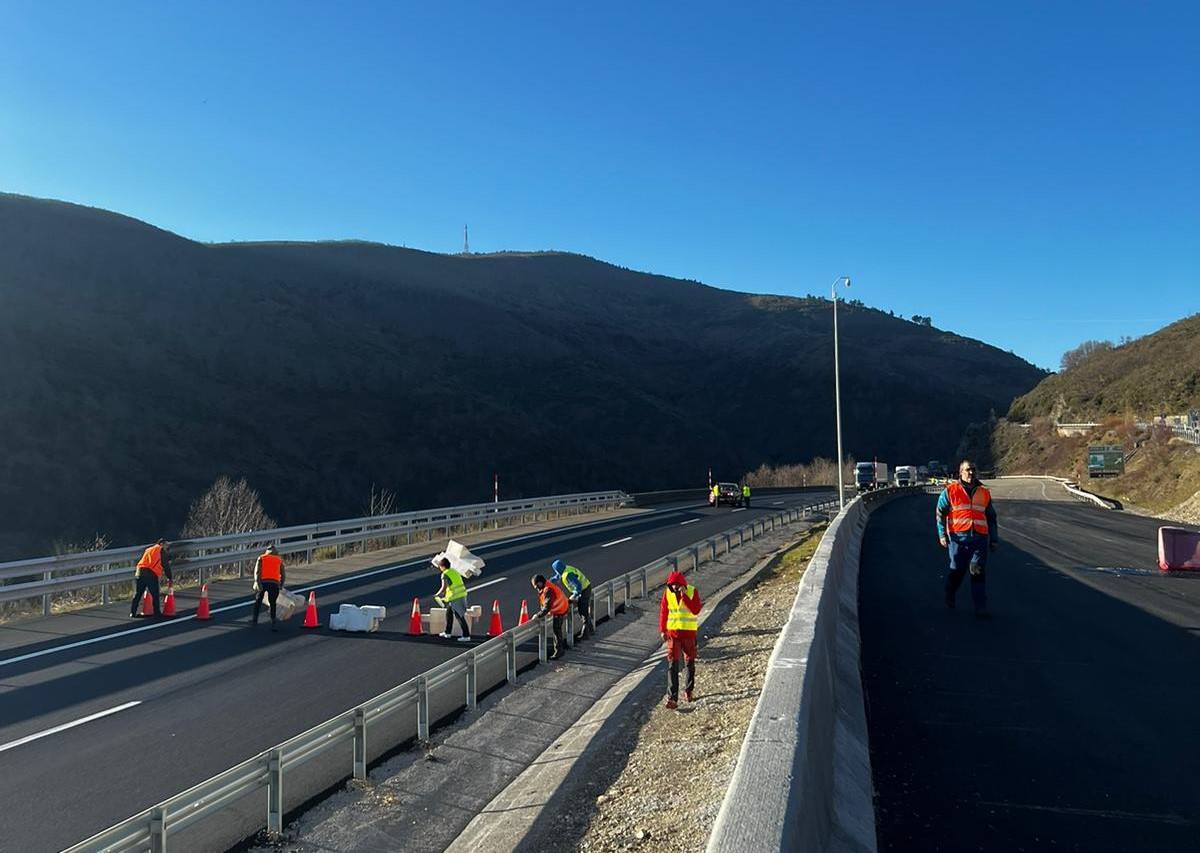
<point>1067,722</point>
<point>148,715</point>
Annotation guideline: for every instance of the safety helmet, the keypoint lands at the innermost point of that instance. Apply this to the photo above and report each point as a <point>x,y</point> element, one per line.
<point>558,566</point>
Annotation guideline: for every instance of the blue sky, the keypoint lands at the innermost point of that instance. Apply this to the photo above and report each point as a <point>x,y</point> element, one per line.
<point>1025,173</point>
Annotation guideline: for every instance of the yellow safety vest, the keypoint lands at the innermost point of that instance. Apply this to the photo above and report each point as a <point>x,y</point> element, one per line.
<point>745,491</point>
<point>457,589</point>
<point>679,618</point>
<point>584,583</point>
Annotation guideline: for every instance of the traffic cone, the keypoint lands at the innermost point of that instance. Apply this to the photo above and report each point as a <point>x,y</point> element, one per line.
<point>495,629</point>
<point>168,608</point>
<point>524,613</point>
<point>414,621</point>
<point>202,610</point>
<point>310,615</point>
<point>147,604</point>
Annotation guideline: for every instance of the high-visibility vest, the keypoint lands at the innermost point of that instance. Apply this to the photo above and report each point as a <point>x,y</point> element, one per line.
<point>745,491</point>
<point>270,567</point>
<point>968,513</point>
<point>679,618</point>
<point>457,589</point>
<point>558,602</point>
<point>152,560</point>
<point>584,583</point>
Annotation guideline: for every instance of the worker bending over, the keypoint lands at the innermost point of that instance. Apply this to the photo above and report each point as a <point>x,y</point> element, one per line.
<point>579,589</point>
<point>155,563</point>
<point>453,597</point>
<point>268,580</point>
<point>555,605</point>
<point>677,624</point>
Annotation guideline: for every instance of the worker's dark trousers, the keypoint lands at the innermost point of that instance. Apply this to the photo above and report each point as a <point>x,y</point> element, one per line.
<point>584,607</point>
<point>146,580</point>
<point>452,614</point>
<point>560,637</point>
<point>271,590</point>
<point>965,556</point>
<point>746,502</point>
<point>681,649</point>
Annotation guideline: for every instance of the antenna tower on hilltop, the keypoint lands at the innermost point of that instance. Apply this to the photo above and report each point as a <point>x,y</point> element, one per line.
<point>466,242</point>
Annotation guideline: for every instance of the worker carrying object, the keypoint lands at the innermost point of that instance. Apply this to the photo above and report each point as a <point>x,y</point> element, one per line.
<point>966,525</point>
<point>555,605</point>
<point>453,597</point>
<point>579,589</point>
<point>714,495</point>
<point>746,495</point>
<point>677,624</point>
<point>268,580</point>
<point>155,563</point>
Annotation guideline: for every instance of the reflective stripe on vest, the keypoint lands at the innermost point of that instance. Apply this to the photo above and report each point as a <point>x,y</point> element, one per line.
<point>270,567</point>
<point>152,560</point>
<point>558,602</point>
<point>679,618</point>
<point>968,513</point>
<point>457,589</point>
<point>584,583</point>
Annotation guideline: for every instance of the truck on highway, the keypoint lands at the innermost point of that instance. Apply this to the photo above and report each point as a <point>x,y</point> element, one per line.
<point>906,475</point>
<point>870,475</point>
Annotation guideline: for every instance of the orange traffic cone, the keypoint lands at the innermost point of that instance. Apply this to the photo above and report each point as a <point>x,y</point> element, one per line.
<point>414,621</point>
<point>169,602</point>
<point>524,613</point>
<point>310,615</point>
<point>202,610</point>
<point>147,604</point>
<point>495,629</point>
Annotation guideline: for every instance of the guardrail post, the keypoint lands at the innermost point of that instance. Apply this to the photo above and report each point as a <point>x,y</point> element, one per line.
<point>275,791</point>
<point>543,654</point>
<point>360,744</point>
<point>105,593</point>
<point>696,557</point>
<point>46,576</point>
<point>728,542</point>
<point>510,657</point>
<point>612,599</point>
<point>422,708</point>
<point>712,544</point>
<point>628,590</point>
<point>472,682</point>
<point>642,577</point>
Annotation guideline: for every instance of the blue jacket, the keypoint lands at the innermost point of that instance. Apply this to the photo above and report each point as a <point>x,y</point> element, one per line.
<point>943,509</point>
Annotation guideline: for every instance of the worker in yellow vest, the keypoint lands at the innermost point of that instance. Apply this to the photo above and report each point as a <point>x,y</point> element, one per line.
<point>714,495</point>
<point>154,563</point>
<point>268,580</point>
<point>746,495</point>
<point>453,597</point>
<point>677,624</point>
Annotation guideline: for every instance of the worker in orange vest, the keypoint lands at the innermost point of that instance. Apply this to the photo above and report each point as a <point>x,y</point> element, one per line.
<point>151,567</point>
<point>268,579</point>
<point>966,526</point>
<point>554,604</point>
<point>677,625</point>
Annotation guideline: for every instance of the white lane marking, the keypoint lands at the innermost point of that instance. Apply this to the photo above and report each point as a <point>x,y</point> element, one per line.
<point>689,521</point>
<point>616,542</point>
<point>777,503</point>
<point>486,583</point>
<point>70,725</point>
<point>740,509</point>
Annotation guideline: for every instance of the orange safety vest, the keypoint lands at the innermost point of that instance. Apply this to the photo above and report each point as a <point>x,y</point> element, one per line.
<point>968,513</point>
<point>152,560</point>
<point>270,567</point>
<point>560,604</point>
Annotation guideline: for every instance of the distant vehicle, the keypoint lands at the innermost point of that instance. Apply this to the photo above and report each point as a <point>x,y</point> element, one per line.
<point>870,475</point>
<point>938,469</point>
<point>906,475</point>
<point>729,494</point>
<point>922,473</point>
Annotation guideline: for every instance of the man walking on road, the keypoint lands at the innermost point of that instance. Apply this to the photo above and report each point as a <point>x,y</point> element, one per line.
<point>579,588</point>
<point>677,624</point>
<point>966,525</point>
<point>154,563</point>
<point>555,605</point>
<point>746,495</point>
<point>453,597</point>
<point>268,579</point>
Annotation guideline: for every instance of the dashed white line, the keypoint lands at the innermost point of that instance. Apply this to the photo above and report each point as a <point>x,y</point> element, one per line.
<point>740,509</point>
<point>777,503</point>
<point>70,725</point>
<point>616,542</point>
<point>689,521</point>
<point>485,583</point>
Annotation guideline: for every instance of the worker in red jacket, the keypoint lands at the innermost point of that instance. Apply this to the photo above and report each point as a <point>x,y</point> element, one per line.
<point>677,624</point>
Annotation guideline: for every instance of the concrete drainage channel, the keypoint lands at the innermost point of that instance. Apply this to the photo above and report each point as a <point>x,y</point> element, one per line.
<point>228,808</point>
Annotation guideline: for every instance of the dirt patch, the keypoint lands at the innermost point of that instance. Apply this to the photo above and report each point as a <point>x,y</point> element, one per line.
<point>660,784</point>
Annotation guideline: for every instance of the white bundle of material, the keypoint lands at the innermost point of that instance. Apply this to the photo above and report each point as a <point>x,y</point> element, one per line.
<point>353,618</point>
<point>461,560</point>
<point>288,603</point>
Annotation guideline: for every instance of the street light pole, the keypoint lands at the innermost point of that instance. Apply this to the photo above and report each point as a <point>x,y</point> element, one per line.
<point>837,391</point>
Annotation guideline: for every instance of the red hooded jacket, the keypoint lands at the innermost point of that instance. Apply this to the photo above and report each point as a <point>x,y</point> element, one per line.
<point>692,604</point>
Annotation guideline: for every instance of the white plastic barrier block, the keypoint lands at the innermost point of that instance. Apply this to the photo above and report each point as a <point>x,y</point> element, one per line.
<point>352,618</point>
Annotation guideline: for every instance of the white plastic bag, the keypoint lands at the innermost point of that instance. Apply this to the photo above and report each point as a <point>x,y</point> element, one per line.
<point>288,603</point>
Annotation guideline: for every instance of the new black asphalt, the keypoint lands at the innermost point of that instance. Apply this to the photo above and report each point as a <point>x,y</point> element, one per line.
<point>215,693</point>
<point>1066,722</point>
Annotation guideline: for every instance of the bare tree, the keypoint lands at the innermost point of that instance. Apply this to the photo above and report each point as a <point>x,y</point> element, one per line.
<point>819,472</point>
<point>1074,357</point>
<point>382,501</point>
<point>227,507</point>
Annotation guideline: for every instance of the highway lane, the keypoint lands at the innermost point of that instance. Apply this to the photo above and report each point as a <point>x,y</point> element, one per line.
<point>1067,722</point>
<point>209,694</point>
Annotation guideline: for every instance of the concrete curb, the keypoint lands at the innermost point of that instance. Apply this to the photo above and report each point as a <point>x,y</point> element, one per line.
<point>1071,486</point>
<point>504,825</point>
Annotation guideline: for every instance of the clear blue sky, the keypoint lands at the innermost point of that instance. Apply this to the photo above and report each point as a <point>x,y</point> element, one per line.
<point>1025,173</point>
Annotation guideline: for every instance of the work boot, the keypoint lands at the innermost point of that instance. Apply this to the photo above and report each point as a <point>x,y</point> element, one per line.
<point>671,704</point>
<point>464,639</point>
<point>688,697</point>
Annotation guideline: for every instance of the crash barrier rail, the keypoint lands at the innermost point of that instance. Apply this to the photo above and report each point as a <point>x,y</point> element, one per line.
<point>1071,486</point>
<point>669,495</point>
<point>149,829</point>
<point>803,777</point>
<point>44,576</point>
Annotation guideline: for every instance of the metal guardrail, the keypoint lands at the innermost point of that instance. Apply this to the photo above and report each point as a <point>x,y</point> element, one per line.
<point>44,576</point>
<point>149,829</point>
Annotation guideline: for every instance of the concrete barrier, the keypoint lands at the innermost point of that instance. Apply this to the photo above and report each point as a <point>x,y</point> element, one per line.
<point>803,776</point>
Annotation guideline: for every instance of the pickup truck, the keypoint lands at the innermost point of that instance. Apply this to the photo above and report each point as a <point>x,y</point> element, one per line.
<point>729,494</point>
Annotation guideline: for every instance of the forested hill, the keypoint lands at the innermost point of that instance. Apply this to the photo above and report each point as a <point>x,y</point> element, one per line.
<point>137,366</point>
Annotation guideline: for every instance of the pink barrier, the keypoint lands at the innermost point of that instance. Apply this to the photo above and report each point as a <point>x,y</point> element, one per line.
<point>1178,549</point>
